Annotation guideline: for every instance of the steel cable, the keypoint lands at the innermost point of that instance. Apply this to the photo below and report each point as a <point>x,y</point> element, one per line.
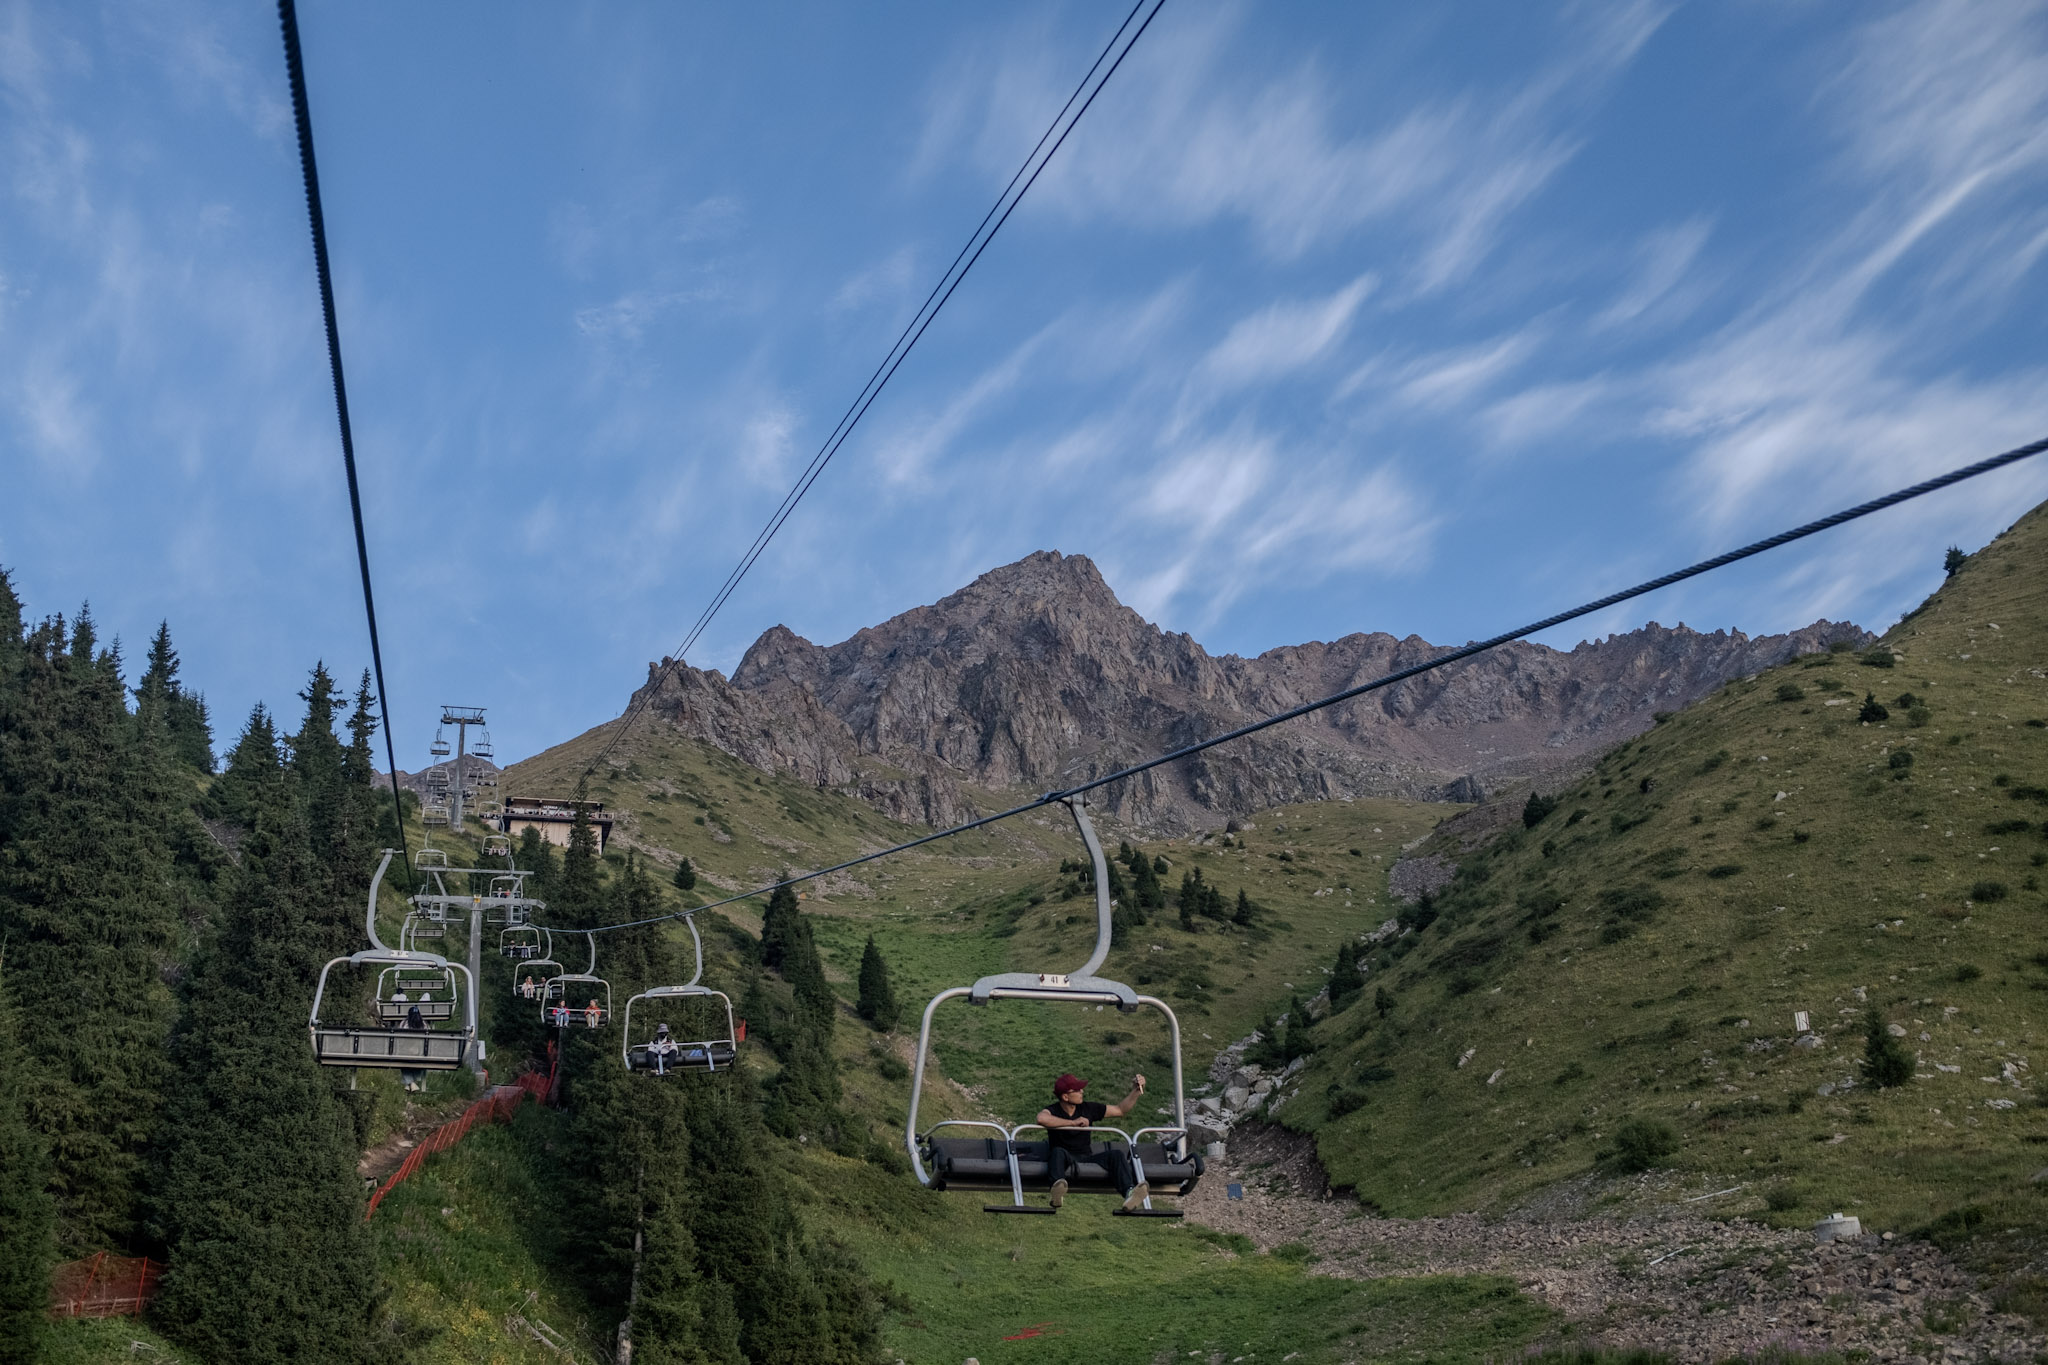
<point>912,332</point>
<point>295,67</point>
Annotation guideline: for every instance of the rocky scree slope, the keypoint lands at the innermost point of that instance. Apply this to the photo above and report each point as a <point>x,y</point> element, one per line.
<point>1035,675</point>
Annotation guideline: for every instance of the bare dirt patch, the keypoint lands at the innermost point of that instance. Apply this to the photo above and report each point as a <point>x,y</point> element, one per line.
<point>1667,1280</point>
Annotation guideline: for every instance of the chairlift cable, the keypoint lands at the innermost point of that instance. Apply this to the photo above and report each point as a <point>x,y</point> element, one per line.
<point>984,233</point>
<point>295,68</point>
<point>1865,509</point>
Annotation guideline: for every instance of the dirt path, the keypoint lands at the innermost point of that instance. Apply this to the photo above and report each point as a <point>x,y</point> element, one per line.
<point>380,1161</point>
<point>1698,1288</point>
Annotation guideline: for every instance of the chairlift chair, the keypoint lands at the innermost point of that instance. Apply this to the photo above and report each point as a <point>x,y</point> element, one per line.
<point>998,1158</point>
<point>430,859</point>
<point>419,925</point>
<point>497,846</point>
<point>541,971</point>
<point>658,1055</point>
<point>439,748</point>
<point>426,1049</point>
<point>560,1008</point>
<point>434,816</point>
<point>482,747</point>
<point>419,992</point>
<point>521,943</point>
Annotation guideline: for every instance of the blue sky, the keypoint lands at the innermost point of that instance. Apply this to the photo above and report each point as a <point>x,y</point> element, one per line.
<point>1328,318</point>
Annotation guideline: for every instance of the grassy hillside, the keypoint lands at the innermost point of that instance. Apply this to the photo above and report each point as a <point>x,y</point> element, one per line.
<point>1640,952</point>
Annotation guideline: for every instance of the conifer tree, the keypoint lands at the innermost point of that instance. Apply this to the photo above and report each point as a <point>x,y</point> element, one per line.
<point>877,1001</point>
<point>258,1201</point>
<point>686,876</point>
<point>254,766</point>
<point>1345,979</point>
<point>1886,1061</point>
<point>26,1212</point>
<point>575,896</point>
<point>88,908</point>
<point>1245,909</point>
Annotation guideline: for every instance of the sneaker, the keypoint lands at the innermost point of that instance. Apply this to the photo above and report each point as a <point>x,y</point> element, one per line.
<point>1059,1193</point>
<point>1140,1192</point>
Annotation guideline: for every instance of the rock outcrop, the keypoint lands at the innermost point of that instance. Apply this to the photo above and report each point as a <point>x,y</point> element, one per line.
<point>1035,676</point>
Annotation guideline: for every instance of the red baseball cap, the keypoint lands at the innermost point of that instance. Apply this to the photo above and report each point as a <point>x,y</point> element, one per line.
<point>1068,1081</point>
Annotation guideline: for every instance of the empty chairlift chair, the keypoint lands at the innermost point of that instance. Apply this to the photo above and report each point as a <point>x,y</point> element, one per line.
<point>654,1051</point>
<point>579,999</point>
<point>977,1154</point>
<point>428,1048</point>
<point>401,990</point>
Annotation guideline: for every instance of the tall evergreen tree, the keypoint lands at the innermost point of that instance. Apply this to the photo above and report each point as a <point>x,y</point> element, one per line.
<point>575,899</point>
<point>254,766</point>
<point>877,1000</point>
<point>1346,981</point>
<point>686,876</point>
<point>258,1202</point>
<point>88,908</point>
<point>179,715</point>
<point>26,1212</point>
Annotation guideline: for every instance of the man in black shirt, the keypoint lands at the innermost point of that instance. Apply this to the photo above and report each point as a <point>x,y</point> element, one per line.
<point>1066,1122</point>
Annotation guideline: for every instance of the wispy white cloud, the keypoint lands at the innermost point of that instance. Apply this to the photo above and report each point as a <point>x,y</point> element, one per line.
<point>1282,338</point>
<point>885,279</point>
<point>1663,260</point>
<point>1198,140</point>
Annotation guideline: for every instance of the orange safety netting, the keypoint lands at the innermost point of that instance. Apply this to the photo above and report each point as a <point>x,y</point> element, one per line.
<point>103,1286</point>
<point>498,1103</point>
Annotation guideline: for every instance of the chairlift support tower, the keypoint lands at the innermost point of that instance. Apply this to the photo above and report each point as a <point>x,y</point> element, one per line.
<point>462,718</point>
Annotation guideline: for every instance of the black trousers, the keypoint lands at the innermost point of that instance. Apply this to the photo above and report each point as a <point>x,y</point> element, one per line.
<point>1060,1163</point>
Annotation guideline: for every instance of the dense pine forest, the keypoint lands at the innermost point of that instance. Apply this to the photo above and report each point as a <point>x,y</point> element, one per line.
<point>163,925</point>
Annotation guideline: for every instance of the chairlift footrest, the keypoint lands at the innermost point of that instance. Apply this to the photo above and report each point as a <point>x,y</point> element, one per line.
<point>1146,1213</point>
<point>1016,1208</point>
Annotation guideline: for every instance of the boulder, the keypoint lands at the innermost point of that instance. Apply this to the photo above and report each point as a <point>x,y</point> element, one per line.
<point>1237,1097</point>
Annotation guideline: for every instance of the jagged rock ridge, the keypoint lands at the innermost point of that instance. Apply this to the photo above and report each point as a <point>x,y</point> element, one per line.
<point>1036,676</point>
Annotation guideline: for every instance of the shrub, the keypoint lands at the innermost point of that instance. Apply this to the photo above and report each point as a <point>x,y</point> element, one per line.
<point>1918,716</point>
<point>1989,891</point>
<point>1873,710</point>
<point>1783,1199</point>
<point>1968,971</point>
<point>1800,836</point>
<point>1901,758</point>
<point>1791,691</point>
<point>1642,1144</point>
<point>1723,870</point>
<point>1840,646</point>
<point>1879,658</point>
<point>1535,809</point>
<point>2008,827</point>
<point>1572,1072</point>
<point>1905,699</point>
<point>1886,1062</point>
<point>1714,760</point>
<point>1953,560</point>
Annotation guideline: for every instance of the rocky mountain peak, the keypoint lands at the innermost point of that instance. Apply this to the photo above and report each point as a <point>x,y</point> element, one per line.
<point>1036,675</point>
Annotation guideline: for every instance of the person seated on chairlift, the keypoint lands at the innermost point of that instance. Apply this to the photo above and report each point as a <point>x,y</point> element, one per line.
<point>397,998</point>
<point>526,988</point>
<point>414,1019</point>
<point>593,1013</point>
<point>561,1013</point>
<point>1066,1122</point>
<point>662,1048</point>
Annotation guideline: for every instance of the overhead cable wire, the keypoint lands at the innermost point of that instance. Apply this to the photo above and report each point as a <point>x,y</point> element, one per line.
<point>991,223</point>
<point>295,67</point>
<point>1452,656</point>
